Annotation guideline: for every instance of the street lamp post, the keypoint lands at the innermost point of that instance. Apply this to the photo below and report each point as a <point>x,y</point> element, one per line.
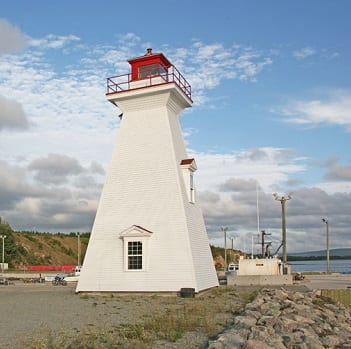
<point>325,220</point>
<point>78,261</point>
<point>3,237</point>
<point>283,200</point>
<point>225,247</point>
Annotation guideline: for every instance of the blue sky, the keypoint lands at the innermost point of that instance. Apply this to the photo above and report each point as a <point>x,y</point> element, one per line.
<point>272,105</point>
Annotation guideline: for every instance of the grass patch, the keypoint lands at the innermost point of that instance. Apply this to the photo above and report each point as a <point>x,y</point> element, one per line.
<point>339,295</point>
<point>174,317</point>
<point>85,296</point>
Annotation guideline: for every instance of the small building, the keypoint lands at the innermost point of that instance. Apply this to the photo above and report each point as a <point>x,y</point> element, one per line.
<point>149,233</point>
<point>260,271</point>
<point>260,266</point>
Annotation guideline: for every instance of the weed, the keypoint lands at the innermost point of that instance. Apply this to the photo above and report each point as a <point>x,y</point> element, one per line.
<point>208,314</point>
<point>341,295</point>
<point>84,296</point>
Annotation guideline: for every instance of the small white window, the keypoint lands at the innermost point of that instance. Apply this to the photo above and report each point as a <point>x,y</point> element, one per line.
<point>135,242</point>
<point>135,255</point>
<point>188,167</point>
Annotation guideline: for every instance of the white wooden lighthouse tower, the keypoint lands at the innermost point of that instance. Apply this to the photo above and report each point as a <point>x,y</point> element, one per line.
<point>149,234</point>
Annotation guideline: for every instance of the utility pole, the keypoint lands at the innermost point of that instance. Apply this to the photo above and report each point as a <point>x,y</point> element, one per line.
<point>325,220</point>
<point>3,237</point>
<point>283,200</point>
<point>225,247</point>
<point>232,254</point>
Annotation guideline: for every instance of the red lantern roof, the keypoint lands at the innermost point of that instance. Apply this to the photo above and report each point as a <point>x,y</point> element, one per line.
<point>149,70</point>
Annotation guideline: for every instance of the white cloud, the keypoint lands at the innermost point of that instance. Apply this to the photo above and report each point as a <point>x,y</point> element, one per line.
<point>53,41</point>
<point>227,188</point>
<point>335,187</point>
<point>334,108</point>
<point>207,65</point>
<point>338,172</point>
<point>304,52</point>
<point>66,100</point>
<point>11,38</point>
<point>52,194</point>
<point>55,168</point>
<point>267,166</point>
<point>305,230</point>
<point>12,115</point>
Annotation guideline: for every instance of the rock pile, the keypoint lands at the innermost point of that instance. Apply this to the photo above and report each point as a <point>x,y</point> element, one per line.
<point>287,319</point>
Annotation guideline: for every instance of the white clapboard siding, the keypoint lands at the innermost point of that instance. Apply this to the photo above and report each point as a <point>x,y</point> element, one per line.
<point>145,196</point>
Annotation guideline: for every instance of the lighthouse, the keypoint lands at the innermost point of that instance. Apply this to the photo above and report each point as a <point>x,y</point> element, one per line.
<point>149,233</point>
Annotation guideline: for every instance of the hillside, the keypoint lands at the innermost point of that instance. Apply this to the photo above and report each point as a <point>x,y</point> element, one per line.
<point>336,252</point>
<point>33,248</point>
<point>46,248</point>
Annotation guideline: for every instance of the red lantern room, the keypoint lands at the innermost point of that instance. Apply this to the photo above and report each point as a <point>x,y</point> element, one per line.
<point>151,64</point>
<point>151,69</point>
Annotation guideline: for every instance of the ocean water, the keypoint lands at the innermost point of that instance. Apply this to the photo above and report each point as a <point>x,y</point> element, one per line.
<point>339,266</point>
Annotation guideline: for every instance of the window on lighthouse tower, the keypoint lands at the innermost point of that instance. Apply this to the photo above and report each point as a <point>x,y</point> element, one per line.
<point>135,255</point>
<point>135,248</point>
<point>188,167</point>
<point>155,69</point>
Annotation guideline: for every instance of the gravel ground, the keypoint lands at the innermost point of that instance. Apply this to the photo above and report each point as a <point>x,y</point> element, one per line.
<point>31,309</point>
<point>34,310</point>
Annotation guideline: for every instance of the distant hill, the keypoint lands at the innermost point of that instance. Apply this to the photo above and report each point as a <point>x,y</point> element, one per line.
<point>33,248</point>
<point>46,248</point>
<point>336,252</point>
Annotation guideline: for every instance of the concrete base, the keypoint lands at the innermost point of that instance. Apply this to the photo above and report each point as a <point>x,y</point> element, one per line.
<point>264,280</point>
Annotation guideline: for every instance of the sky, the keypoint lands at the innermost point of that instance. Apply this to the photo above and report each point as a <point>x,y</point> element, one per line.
<point>271,113</point>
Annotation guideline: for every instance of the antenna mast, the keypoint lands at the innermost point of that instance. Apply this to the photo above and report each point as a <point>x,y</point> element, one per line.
<point>257,210</point>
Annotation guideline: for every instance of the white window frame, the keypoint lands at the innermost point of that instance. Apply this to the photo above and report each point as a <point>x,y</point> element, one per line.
<point>136,234</point>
